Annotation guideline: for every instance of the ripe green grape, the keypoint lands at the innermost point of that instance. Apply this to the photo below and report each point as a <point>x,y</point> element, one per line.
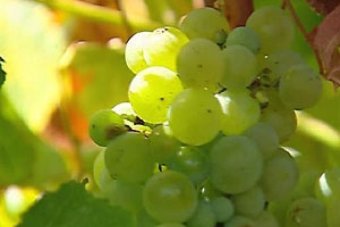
<point>105,125</point>
<point>163,46</point>
<point>134,53</point>
<point>249,203</point>
<point>328,185</point>
<point>195,116</point>
<point>200,64</point>
<point>240,67</point>
<point>265,137</point>
<point>152,91</point>
<point>244,36</point>
<point>236,164</point>
<point>300,87</point>
<point>240,111</point>
<point>205,23</point>
<point>222,207</point>
<point>280,176</point>
<point>171,225</point>
<point>240,221</point>
<point>306,212</point>
<point>333,217</point>
<point>128,157</point>
<point>203,216</point>
<point>266,219</point>
<point>169,197</point>
<point>274,28</point>
<point>101,175</point>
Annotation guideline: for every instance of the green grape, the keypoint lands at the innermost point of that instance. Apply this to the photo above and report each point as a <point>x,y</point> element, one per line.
<point>306,212</point>
<point>236,164</point>
<point>143,219</point>
<point>240,67</point>
<point>240,111</point>
<point>274,28</point>
<point>328,185</point>
<point>193,162</point>
<point>244,36</point>
<point>164,145</point>
<point>105,125</point>
<point>163,46</point>
<point>266,219</point>
<point>249,203</point>
<point>134,54</point>
<point>101,175</point>
<point>205,23</point>
<point>240,221</point>
<point>200,64</point>
<point>300,87</point>
<point>208,191</point>
<point>169,197</point>
<point>195,116</point>
<point>280,176</point>
<point>265,137</point>
<point>203,216</point>
<point>333,217</point>
<point>152,91</point>
<point>171,225</point>
<point>127,157</point>
<point>126,111</point>
<point>222,207</point>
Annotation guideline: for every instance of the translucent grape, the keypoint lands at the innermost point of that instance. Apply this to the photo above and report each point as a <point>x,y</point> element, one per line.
<point>105,125</point>
<point>205,23</point>
<point>163,46</point>
<point>101,175</point>
<point>152,91</point>
<point>333,217</point>
<point>195,117</point>
<point>169,197</point>
<point>203,216</point>
<point>127,157</point>
<point>266,219</point>
<point>300,87</point>
<point>280,176</point>
<point>134,54</point>
<point>223,208</point>
<point>306,212</point>
<point>244,36</point>
<point>240,111</point>
<point>240,67</point>
<point>236,164</point>
<point>328,185</point>
<point>200,64</point>
<point>240,221</point>
<point>274,28</point>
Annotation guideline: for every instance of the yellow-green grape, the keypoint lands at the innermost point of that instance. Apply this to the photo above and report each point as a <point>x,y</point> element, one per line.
<point>152,91</point>
<point>163,46</point>
<point>169,197</point>
<point>222,207</point>
<point>240,221</point>
<point>244,36</point>
<point>126,111</point>
<point>328,185</point>
<point>274,28</point>
<point>240,111</point>
<point>195,116</point>
<point>105,125</point>
<point>101,175</point>
<point>204,216</point>
<point>266,219</point>
<point>205,23</point>
<point>134,53</point>
<point>200,64</point>
<point>171,225</point>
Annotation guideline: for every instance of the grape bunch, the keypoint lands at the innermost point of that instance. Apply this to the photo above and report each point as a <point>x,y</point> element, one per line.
<point>198,143</point>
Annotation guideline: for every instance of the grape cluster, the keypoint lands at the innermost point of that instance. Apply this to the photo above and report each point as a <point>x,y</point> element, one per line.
<point>198,143</point>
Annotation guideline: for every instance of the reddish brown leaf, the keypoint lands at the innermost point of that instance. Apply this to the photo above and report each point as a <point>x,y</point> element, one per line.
<point>327,43</point>
<point>237,11</point>
<point>324,6</point>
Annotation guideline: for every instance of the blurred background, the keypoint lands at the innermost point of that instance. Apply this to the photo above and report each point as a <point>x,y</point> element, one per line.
<point>64,60</point>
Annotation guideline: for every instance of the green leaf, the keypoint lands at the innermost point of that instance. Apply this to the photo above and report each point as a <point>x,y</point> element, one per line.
<point>2,72</point>
<point>72,206</point>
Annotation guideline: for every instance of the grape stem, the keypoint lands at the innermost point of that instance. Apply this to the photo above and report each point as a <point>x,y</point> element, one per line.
<point>308,36</point>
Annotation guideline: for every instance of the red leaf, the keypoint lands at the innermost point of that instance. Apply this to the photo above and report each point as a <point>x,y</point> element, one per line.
<point>327,43</point>
<point>322,6</point>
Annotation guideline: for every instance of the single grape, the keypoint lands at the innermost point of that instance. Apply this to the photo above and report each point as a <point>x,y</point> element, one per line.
<point>306,212</point>
<point>128,157</point>
<point>240,111</point>
<point>300,87</point>
<point>244,36</point>
<point>105,125</point>
<point>328,185</point>
<point>274,28</point>
<point>203,216</point>
<point>280,176</point>
<point>266,219</point>
<point>134,53</point>
<point>240,67</point>
<point>222,207</point>
<point>163,46</point>
<point>236,164</point>
<point>200,64</point>
<point>152,91</point>
<point>169,197</point>
<point>205,23</point>
<point>195,117</point>
<point>101,175</point>
<point>240,221</point>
